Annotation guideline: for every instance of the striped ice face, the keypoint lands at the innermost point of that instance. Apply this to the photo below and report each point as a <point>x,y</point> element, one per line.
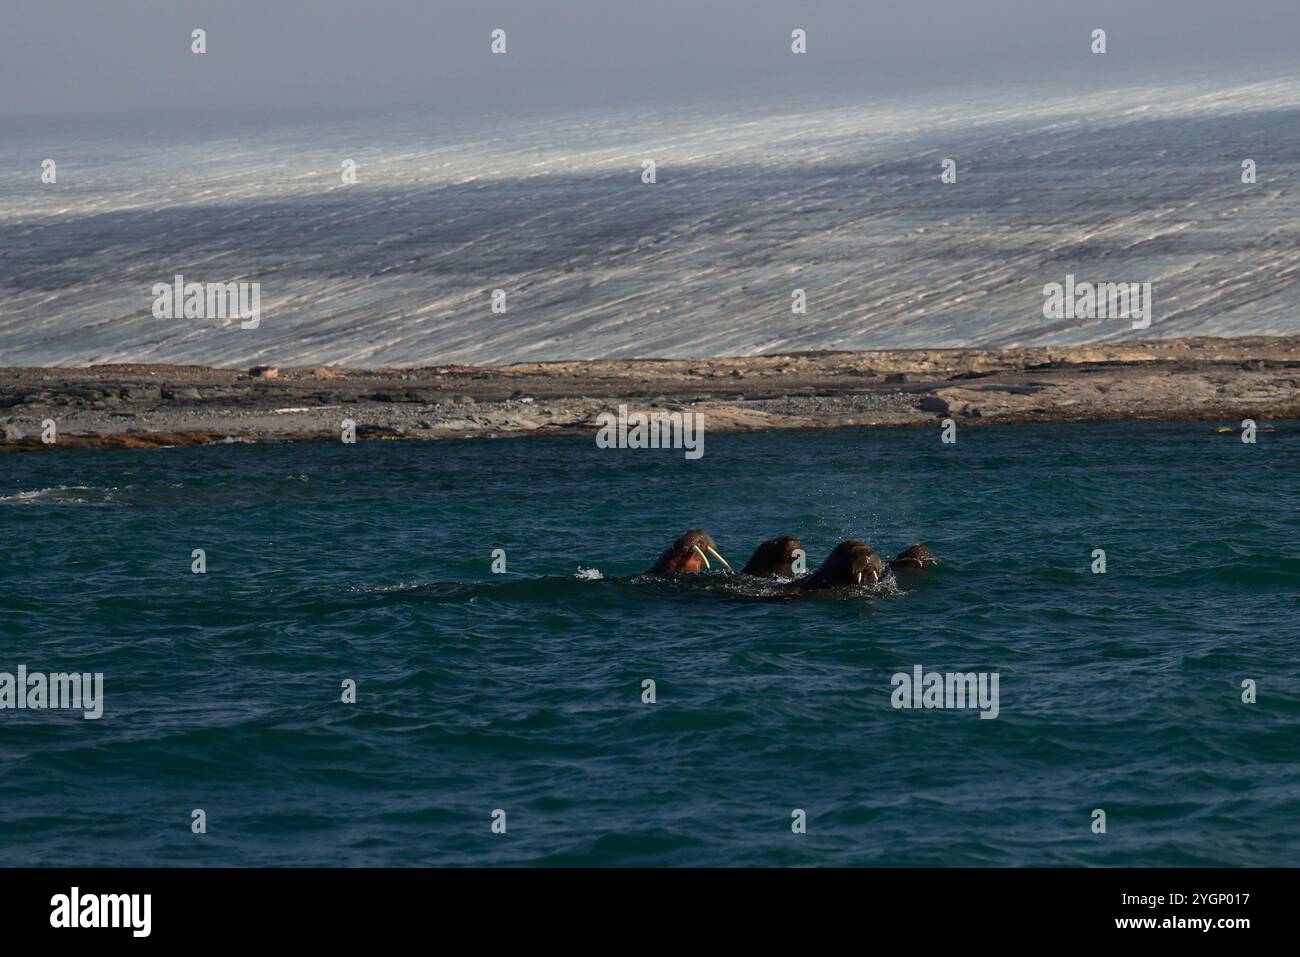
<point>496,239</point>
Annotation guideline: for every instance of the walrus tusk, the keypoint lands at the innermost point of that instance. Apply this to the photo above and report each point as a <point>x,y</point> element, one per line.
<point>702,555</point>
<point>714,552</point>
<point>859,578</point>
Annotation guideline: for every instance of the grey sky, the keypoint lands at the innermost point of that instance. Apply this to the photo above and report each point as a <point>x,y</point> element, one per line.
<point>95,56</point>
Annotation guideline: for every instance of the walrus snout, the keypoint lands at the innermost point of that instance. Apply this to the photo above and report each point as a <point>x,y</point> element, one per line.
<point>774,558</point>
<point>914,558</point>
<point>688,554</point>
<point>866,564</point>
<point>850,563</point>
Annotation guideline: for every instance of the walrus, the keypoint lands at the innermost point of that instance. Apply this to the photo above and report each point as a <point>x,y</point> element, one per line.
<point>914,558</point>
<point>849,563</point>
<point>774,558</point>
<point>687,555</point>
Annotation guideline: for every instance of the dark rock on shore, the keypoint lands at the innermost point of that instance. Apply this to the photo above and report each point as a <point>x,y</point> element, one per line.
<point>138,406</point>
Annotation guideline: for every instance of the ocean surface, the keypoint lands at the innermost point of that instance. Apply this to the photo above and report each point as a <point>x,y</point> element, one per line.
<point>839,196</point>
<point>522,691</point>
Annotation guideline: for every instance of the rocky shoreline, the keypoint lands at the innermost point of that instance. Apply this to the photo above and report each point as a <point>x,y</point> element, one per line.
<point>147,406</point>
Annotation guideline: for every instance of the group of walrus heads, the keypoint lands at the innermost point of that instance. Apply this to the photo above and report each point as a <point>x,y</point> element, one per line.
<point>850,563</point>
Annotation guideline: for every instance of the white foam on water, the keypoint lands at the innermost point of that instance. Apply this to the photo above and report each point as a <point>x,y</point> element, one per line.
<point>61,495</point>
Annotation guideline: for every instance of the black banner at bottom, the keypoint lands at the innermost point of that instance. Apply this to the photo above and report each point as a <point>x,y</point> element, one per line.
<point>335,906</point>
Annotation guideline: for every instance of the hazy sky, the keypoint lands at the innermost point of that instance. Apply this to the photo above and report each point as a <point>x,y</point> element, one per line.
<point>96,56</point>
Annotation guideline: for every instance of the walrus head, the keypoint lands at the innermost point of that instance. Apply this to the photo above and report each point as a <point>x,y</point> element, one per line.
<point>688,554</point>
<point>850,563</point>
<point>914,558</point>
<point>774,558</point>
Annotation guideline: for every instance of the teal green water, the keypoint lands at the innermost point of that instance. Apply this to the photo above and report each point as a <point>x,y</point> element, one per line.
<point>523,691</point>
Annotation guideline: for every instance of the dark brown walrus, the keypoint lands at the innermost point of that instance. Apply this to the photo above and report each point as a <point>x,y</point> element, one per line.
<point>914,558</point>
<point>774,558</point>
<point>687,555</point>
<point>850,563</point>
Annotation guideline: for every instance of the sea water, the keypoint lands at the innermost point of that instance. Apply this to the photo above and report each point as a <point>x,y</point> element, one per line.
<point>524,691</point>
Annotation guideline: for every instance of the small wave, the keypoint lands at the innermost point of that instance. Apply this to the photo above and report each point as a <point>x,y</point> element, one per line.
<point>62,495</point>
<point>555,588</point>
<point>764,589</point>
<point>388,589</point>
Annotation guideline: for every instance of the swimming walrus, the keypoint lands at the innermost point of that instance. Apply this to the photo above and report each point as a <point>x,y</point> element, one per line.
<point>774,558</point>
<point>914,558</point>
<point>849,563</point>
<point>687,555</point>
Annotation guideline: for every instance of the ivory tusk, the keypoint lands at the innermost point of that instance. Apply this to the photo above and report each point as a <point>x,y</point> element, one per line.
<point>714,552</point>
<point>702,555</point>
